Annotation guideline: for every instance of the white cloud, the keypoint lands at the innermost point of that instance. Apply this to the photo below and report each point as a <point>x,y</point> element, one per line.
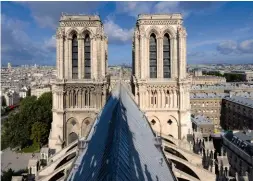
<point>230,46</point>
<point>227,47</point>
<point>186,8</point>
<point>117,34</point>
<point>246,46</point>
<point>17,46</point>
<point>47,14</point>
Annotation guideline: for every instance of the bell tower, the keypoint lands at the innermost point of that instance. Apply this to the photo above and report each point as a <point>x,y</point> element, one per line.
<point>160,82</point>
<point>80,89</point>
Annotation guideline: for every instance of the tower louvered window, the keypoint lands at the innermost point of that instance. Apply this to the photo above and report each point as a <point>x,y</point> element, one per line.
<point>87,56</point>
<point>74,57</point>
<point>166,56</point>
<point>153,56</point>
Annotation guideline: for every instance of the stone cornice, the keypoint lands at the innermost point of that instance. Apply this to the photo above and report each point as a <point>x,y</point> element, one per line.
<point>80,23</point>
<point>160,22</point>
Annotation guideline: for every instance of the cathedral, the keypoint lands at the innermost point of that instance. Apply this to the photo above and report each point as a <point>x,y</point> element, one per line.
<point>159,81</point>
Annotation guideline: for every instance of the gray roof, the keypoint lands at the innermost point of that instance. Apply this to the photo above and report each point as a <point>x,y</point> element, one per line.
<point>241,100</point>
<point>208,95</point>
<point>121,145</point>
<point>199,119</point>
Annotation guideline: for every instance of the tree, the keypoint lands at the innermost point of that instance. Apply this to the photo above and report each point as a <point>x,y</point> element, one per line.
<point>39,133</point>
<point>20,128</point>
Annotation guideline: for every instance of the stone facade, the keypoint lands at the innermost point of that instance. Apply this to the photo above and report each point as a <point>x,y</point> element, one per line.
<point>160,83</point>
<point>207,80</point>
<point>236,113</point>
<point>80,89</point>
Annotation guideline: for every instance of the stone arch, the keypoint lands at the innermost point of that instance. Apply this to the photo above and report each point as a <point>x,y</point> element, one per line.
<point>71,32</point>
<point>170,126</point>
<point>72,127</point>
<point>72,137</point>
<point>87,30</point>
<point>86,126</point>
<point>169,30</point>
<point>153,29</point>
<point>184,168</point>
<point>155,124</point>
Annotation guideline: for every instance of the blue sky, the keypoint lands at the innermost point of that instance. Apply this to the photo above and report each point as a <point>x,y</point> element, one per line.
<point>218,32</point>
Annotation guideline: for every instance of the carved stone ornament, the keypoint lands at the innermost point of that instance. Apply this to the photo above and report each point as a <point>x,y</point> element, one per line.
<point>79,23</point>
<point>181,31</point>
<point>60,33</point>
<point>160,22</point>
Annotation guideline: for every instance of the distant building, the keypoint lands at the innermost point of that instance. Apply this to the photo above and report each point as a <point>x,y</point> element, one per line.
<point>38,91</point>
<point>11,97</point>
<point>9,65</point>
<point>208,105</point>
<point>197,73</point>
<point>23,92</point>
<point>208,80</point>
<point>236,113</point>
<point>239,148</point>
<point>203,125</point>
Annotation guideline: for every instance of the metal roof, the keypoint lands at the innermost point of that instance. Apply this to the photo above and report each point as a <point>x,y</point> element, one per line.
<point>241,100</point>
<point>121,145</point>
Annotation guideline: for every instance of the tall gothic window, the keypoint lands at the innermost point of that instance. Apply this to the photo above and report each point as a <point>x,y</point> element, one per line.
<point>166,56</point>
<point>74,57</point>
<point>87,57</point>
<point>153,56</point>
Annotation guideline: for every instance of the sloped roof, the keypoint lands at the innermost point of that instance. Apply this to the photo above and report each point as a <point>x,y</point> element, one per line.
<point>121,145</point>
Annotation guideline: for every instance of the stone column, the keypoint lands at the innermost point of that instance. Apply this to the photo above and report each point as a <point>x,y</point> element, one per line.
<point>103,57</point>
<point>67,99</point>
<point>69,60</point>
<point>94,57</point>
<point>58,57</point>
<point>80,40</point>
<point>176,99</point>
<point>159,58</point>
<point>174,62</point>
<point>136,58</point>
<point>79,98</point>
<point>142,63</point>
<point>66,58</point>
<point>159,98</point>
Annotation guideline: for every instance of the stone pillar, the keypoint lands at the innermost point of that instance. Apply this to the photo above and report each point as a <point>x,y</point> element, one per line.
<point>58,57</point>
<point>66,58</point>
<point>159,58</point>
<point>142,63</point>
<point>180,56</point>
<point>174,66</point>
<point>94,58</point>
<point>171,99</point>
<point>136,58</point>
<point>69,60</point>
<point>103,57</point>
<point>80,41</point>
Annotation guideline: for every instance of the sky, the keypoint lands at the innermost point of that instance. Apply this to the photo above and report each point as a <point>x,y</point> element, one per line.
<point>218,32</point>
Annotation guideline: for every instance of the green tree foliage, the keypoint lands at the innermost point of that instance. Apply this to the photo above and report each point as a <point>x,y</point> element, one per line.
<point>33,113</point>
<point>230,77</point>
<point>39,133</point>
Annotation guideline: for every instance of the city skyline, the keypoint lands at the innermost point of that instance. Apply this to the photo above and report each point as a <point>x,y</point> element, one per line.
<point>216,34</point>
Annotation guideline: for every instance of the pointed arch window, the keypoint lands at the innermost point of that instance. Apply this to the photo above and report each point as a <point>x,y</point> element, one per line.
<point>153,56</point>
<point>74,57</point>
<point>166,56</point>
<point>87,57</point>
